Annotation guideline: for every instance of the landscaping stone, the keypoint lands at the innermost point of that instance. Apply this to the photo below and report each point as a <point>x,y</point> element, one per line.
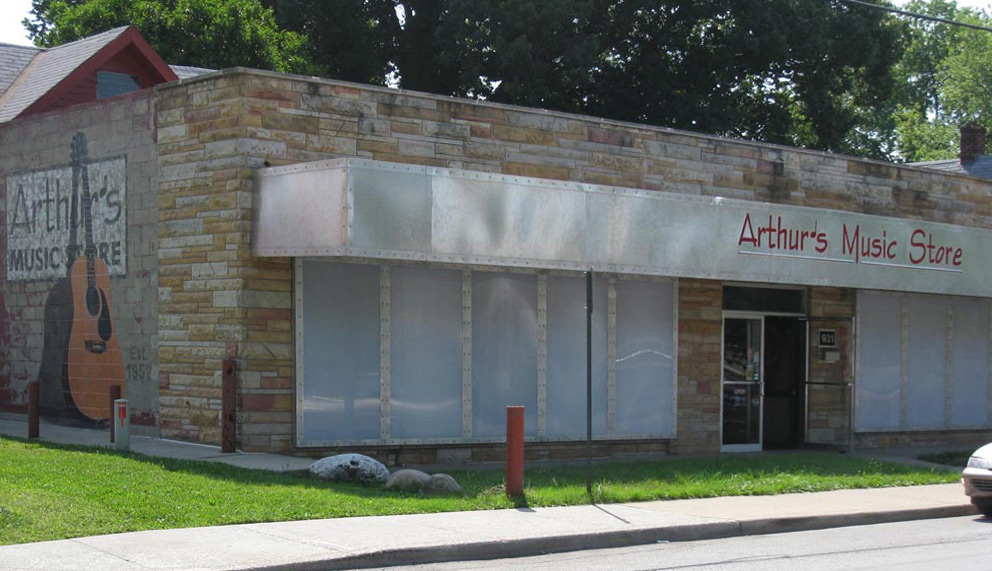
<point>440,484</point>
<point>350,468</point>
<point>407,480</point>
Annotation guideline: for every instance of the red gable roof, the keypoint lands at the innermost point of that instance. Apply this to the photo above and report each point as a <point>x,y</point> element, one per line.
<point>66,75</point>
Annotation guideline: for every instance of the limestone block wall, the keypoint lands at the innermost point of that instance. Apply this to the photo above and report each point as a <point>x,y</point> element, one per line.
<point>829,393</point>
<point>119,128</point>
<point>217,300</point>
<point>700,343</point>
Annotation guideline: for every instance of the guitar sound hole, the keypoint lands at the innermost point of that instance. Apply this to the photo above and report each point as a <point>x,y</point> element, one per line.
<point>92,301</point>
<point>104,327</point>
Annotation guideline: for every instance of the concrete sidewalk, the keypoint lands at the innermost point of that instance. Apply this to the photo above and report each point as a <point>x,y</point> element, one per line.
<point>351,543</point>
<point>16,425</point>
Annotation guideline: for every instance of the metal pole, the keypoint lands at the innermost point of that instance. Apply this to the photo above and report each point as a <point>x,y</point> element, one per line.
<point>229,411</point>
<point>33,422</point>
<point>514,451</point>
<point>589,383</point>
<point>115,394</point>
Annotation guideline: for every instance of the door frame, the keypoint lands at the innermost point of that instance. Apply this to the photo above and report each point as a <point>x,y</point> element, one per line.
<point>760,315</point>
<point>757,447</point>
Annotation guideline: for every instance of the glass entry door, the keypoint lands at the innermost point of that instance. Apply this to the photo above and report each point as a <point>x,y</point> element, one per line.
<point>743,375</point>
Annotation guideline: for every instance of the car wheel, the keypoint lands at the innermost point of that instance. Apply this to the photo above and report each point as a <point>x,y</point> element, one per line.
<point>984,505</point>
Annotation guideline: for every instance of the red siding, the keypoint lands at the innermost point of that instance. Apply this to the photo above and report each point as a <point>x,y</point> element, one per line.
<point>127,61</point>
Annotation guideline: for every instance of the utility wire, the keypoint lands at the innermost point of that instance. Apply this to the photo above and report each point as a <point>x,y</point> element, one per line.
<point>916,15</point>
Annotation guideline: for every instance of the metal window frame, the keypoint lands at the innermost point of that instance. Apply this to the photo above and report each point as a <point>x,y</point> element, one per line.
<point>386,438</point>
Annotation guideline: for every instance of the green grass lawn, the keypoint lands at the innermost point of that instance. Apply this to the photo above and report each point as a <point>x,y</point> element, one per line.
<point>50,491</point>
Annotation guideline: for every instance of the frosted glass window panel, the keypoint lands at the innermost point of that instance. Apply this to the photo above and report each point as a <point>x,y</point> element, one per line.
<point>927,378</point>
<point>970,363</point>
<point>504,351</point>
<point>340,352</point>
<point>880,357</point>
<point>566,365</point>
<point>426,353</point>
<point>645,400</point>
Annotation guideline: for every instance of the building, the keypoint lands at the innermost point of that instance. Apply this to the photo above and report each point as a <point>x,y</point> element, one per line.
<point>391,269</point>
<point>972,160</point>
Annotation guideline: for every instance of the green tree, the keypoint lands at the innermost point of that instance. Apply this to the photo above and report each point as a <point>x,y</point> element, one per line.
<point>814,73</point>
<point>206,33</point>
<point>786,71</point>
<point>349,40</point>
<point>944,79</point>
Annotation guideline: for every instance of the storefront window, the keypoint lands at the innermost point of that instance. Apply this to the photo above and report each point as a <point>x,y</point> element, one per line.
<point>644,399</point>
<point>404,353</point>
<point>566,400</point>
<point>426,353</point>
<point>764,299</point>
<point>903,378</point>
<point>504,351</point>
<point>970,363</point>
<point>341,345</point>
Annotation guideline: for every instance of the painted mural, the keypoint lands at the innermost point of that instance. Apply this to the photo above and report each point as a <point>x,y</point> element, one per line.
<point>69,224</point>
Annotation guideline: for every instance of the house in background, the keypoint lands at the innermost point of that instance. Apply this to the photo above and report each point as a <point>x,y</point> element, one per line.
<point>115,62</point>
<point>391,269</point>
<point>972,160</point>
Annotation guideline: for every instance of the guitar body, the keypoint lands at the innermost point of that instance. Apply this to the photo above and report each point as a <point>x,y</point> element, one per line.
<point>94,360</point>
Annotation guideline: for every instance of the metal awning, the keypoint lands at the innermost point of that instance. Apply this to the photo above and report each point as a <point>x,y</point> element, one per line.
<point>392,211</point>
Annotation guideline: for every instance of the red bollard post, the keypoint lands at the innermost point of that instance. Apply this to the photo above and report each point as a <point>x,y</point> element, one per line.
<point>228,406</point>
<point>115,394</point>
<point>33,422</point>
<point>514,451</point>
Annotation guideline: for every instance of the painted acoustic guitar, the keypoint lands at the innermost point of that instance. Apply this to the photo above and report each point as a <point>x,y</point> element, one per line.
<point>94,361</point>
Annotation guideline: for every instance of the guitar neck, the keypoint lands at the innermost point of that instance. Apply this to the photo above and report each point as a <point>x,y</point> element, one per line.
<point>88,220</point>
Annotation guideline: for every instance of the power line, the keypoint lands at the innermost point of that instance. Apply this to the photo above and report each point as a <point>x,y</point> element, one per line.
<point>916,15</point>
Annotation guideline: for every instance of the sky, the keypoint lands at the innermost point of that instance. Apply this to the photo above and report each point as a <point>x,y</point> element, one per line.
<point>13,11</point>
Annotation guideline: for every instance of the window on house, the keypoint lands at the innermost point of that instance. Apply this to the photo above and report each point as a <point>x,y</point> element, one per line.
<point>112,84</point>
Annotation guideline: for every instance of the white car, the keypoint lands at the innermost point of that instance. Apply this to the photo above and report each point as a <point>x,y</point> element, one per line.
<point>977,479</point>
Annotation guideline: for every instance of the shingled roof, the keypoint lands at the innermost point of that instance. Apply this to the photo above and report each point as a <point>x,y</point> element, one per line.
<point>980,167</point>
<point>30,76</point>
<point>13,60</point>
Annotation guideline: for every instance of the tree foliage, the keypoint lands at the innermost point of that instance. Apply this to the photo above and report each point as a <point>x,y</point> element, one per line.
<point>205,33</point>
<point>944,79</point>
<point>815,73</point>
<point>801,72</point>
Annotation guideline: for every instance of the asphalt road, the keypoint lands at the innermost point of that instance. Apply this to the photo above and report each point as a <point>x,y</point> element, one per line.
<point>943,544</point>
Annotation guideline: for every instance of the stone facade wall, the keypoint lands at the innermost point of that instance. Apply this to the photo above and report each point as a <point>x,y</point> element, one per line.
<point>829,394</point>
<point>700,343</point>
<point>120,127</point>
<point>217,300</point>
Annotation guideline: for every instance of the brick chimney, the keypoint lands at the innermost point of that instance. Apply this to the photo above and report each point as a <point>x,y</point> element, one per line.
<point>972,142</point>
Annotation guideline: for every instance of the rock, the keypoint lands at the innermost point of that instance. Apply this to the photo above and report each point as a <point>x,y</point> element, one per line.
<point>350,468</point>
<point>407,480</point>
<point>440,484</point>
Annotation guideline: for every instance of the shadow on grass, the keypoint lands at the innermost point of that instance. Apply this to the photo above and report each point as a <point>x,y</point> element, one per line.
<point>489,483</point>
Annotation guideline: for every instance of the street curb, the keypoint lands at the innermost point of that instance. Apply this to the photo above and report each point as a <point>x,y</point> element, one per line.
<point>500,549</point>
